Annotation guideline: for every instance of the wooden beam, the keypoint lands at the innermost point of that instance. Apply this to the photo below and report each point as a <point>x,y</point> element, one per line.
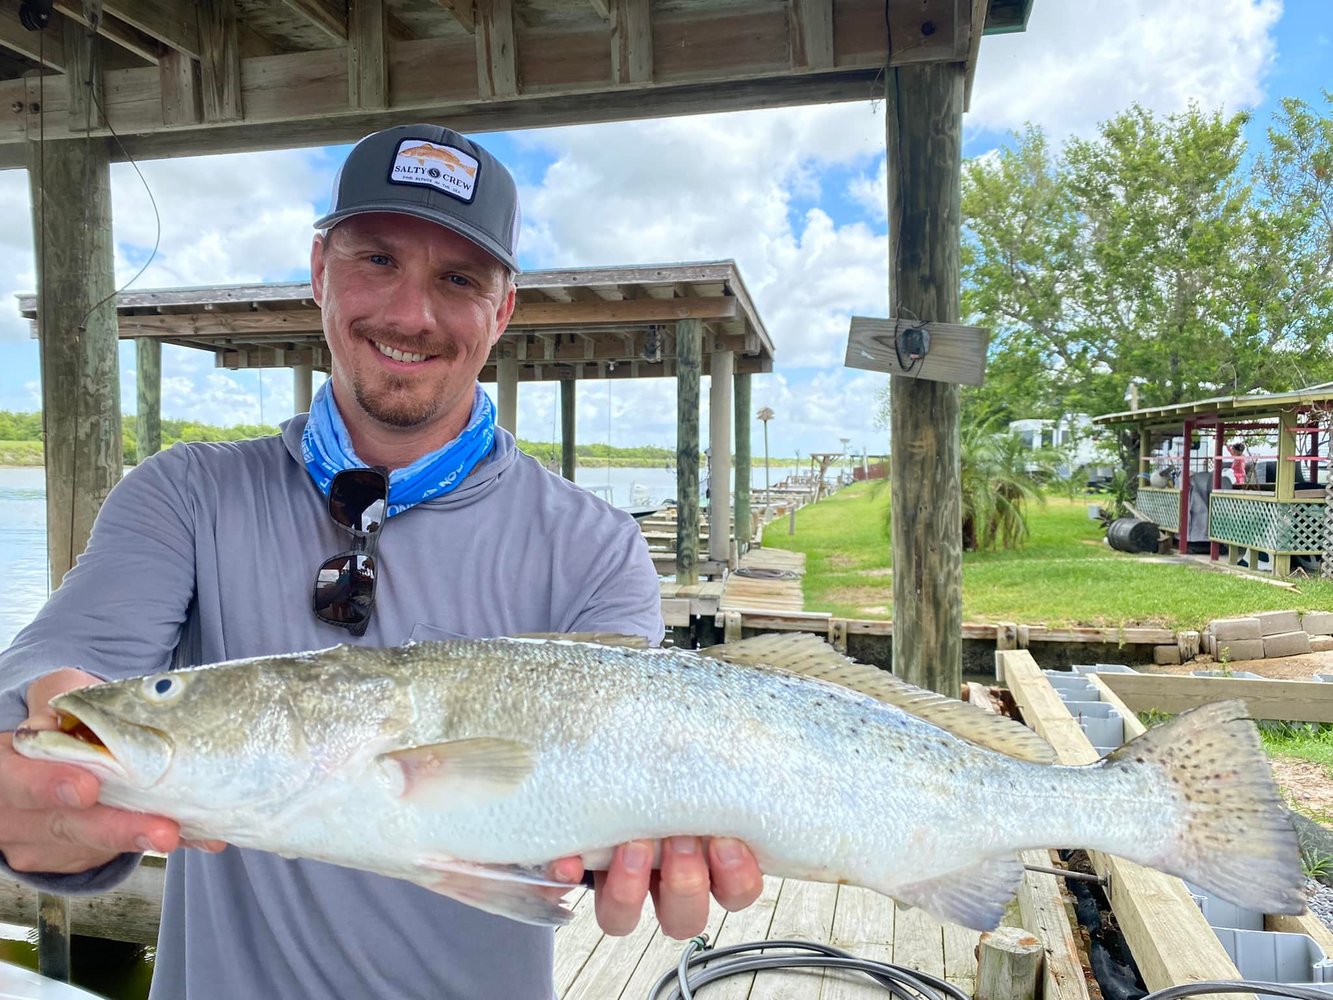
<point>742,421</point>
<point>171,23</point>
<point>631,42</point>
<point>330,19</point>
<point>1290,701</point>
<point>721,412</point>
<point>111,28</point>
<point>83,78</point>
<point>924,137</point>
<point>506,391</point>
<point>220,61</point>
<point>922,31</point>
<point>497,58</point>
<point>368,54</point>
<point>463,12</point>
<point>603,11</point>
<point>1167,934</point>
<point>811,30</point>
<point>179,75</point>
<point>568,430</point>
<point>978,25</point>
<point>46,48</point>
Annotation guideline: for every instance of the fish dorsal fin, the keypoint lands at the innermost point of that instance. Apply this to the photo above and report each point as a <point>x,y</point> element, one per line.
<point>460,771</point>
<point>808,654</point>
<point>598,638</point>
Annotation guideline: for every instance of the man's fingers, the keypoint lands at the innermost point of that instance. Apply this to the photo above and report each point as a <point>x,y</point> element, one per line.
<point>35,784</point>
<point>70,840</point>
<point>737,879</point>
<point>44,688</point>
<point>620,892</point>
<point>681,895</point>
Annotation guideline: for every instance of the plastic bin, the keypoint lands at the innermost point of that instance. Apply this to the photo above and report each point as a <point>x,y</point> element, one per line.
<point>1220,913</point>
<point>1276,957</point>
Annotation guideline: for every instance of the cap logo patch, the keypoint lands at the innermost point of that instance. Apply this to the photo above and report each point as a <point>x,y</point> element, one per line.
<point>446,168</point>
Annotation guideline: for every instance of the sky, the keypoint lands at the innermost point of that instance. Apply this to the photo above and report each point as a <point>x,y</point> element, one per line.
<point>796,196</point>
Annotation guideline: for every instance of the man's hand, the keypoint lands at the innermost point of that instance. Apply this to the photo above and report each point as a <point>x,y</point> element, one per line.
<point>49,817</point>
<point>691,869</point>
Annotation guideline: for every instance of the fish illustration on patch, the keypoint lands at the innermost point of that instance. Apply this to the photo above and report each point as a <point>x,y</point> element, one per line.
<point>426,152</point>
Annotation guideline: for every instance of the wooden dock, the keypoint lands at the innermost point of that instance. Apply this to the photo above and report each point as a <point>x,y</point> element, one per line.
<point>589,965</point>
<point>765,578</point>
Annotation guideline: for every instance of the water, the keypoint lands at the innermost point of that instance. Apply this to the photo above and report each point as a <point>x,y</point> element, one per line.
<point>23,525</point>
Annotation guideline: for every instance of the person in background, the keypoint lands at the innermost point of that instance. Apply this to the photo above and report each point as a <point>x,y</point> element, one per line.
<point>211,552</point>
<point>1238,463</point>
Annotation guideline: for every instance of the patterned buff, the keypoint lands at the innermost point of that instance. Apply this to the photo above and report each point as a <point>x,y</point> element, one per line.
<point>327,449</point>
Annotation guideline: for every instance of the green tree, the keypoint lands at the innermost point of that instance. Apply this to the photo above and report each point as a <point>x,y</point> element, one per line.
<point>1149,252</point>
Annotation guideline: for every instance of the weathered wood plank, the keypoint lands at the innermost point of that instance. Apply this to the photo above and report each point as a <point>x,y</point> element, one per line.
<point>171,23</point>
<point>367,54</point>
<point>720,410</point>
<point>924,137</point>
<point>689,348</point>
<point>332,21</point>
<point>804,911</point>
<point>46,48</point>
<point>83,78</point>
<point>148,381</point>
<point>863,924</point>
<point>918,941</point>
<point>575,941</point>
<point>612,959</point>
<point>1293,701</point>
<point>220,61</point>
<point>810,24</point>
<point>754,923</point>
<point>1166,932</point>
<point>128,912</point>
<point>497,59</point>
<point>463,13</point>
<point>179,78</point>
<point>1041,906</point>
<point>631,42</point>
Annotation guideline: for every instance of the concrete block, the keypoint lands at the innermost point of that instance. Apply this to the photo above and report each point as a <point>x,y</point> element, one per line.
<point>1166,654</point>
<point>1240,649</point>
<point>1235,628</point>
<point>1287,643</point>
<point>1278,622</point>
<point>1318,622</point>
<point>1210,644</point>
<point>1321,643</point>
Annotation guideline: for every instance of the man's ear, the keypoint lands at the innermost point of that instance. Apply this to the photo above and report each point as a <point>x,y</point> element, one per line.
<point>318,246</point>
<point>506,311</point>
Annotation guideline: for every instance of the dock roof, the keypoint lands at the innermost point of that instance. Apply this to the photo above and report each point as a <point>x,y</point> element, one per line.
<point>597,322</point>
<point>1224,408</point>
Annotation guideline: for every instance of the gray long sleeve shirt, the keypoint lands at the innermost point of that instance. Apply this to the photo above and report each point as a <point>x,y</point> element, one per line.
<point>208,552</point>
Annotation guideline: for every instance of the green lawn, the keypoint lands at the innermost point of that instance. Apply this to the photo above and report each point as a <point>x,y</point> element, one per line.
<point>1064,575</point>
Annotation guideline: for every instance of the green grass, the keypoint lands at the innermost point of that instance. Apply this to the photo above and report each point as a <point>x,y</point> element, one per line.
<point>1064,575</point>
<point>1310,741</point>
<point>20,453</point>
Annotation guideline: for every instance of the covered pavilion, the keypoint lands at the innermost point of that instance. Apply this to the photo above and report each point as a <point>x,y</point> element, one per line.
<point>1270,502</point>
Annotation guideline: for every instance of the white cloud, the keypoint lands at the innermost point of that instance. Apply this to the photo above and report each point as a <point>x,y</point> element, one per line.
<point>1080,62</point>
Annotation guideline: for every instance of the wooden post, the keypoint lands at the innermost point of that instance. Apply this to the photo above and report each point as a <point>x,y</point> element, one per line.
<point>302,387</point>
<point>924,105</point>
<point>567,423</point>
<point>1219,452</point>
<point>689,349</point>
<point>740,522</point>
<point>148,380</point>
<point>1009,963</point>
<point>1183,509</point>
<point>70,184</point>
<point>506,389</point>
<point>1285,479</point>
<point>721,371</point>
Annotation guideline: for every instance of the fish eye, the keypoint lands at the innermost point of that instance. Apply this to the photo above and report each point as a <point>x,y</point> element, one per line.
<point>162,689</point>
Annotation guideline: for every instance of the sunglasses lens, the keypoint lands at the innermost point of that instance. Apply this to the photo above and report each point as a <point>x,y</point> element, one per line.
<point>345,589</point>
<point>358,499</point>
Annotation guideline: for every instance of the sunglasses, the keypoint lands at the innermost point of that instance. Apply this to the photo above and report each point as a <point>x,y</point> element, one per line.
<point>345,583</point>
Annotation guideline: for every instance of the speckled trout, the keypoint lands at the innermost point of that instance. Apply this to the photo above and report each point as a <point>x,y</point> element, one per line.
<point>466,766</point>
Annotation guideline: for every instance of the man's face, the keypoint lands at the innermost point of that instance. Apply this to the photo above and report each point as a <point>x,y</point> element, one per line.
<point>410,312</point>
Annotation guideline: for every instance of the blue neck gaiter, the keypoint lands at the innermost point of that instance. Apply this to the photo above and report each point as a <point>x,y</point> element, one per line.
<point>327,450</point>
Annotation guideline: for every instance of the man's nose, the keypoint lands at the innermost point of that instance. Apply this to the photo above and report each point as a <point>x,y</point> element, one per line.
<point>412,306</point>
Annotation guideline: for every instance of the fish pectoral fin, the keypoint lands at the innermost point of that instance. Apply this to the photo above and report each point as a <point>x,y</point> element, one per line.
<point>513,891</point>
<point>597,638</point>
<point>975,896</point>
<point>470,771</point>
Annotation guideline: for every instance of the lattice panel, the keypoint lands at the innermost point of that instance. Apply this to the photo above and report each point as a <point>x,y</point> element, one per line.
<point>1273,527</point>
<point>1162,506</point>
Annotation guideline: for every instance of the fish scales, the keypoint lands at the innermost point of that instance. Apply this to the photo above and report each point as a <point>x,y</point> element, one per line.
<point>468,765</point>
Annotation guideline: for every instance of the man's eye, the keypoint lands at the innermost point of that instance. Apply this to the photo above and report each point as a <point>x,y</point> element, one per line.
<point>379,258</point>
<point>459,280</point>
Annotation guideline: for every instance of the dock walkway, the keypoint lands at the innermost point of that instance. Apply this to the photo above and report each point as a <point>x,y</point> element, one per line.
<point>766,578</point>
<point>589,965</point>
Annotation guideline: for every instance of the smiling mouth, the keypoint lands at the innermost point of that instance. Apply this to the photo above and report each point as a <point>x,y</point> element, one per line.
<point>397,355</point>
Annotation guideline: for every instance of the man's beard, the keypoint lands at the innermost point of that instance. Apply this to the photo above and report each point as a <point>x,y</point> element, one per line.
<point>392,404</point>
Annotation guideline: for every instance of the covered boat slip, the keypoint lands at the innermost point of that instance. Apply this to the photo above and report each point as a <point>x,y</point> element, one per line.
<point>1271,502</point>
<point>680,321</point>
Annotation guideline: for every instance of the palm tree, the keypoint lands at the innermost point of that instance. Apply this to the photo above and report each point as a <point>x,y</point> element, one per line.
<point>999,477</point>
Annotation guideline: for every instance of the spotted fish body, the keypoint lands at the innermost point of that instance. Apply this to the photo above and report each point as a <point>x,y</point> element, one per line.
<point>468,765</point>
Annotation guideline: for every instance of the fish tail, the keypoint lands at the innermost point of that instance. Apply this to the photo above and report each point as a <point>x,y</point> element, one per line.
<point>1237,839</point>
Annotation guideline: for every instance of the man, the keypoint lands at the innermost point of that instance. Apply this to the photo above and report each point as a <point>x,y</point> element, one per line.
<point>207,552</point>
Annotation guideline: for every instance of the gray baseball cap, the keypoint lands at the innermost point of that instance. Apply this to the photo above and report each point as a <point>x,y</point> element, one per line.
<point>433,173</point>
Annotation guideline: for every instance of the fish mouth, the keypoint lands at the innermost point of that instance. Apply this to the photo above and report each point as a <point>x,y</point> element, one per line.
<point>104,744</point>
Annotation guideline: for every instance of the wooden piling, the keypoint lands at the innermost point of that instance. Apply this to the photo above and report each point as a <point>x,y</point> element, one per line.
<point>506,390</point>
<point>148,382</point>
<point>689,351</point>
<point>721,372</point>
<point>303,389</point>
<point>70,181</point>
<point>924,105</point>
<point>1009,961</point>
<point>567,423</point>
<point>742,526</point>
